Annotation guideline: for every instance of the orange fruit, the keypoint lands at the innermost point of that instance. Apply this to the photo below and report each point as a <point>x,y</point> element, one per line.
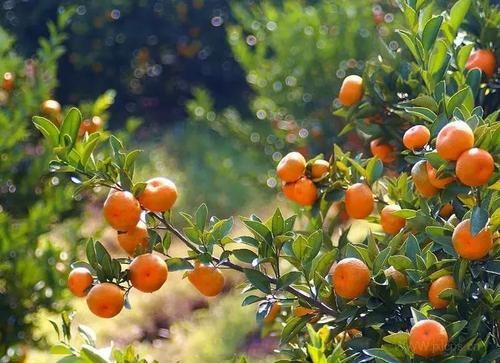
<point>273,313</point>
<point>350,278</point>
<point>305,192</point>
<point>453,139</point>
<point>105,300</point>
<point>398,277</point>
<point>90,126</point>
<point>437,287</point>
<point>383,151</point>
<point>148,272</point>
<point>300,311</point>
<point>416,137</point>
<point>79,280</point>
<point>52,110</point>
<point>8,81</point>
<point>291,167</point>
<point>421,180</point>
<point>469,246</point>
<point>207,279</point>
<point>436,182</point>
<point>446,210</point>
<point>474,167</point>
<point>122,210</point>
<point>351,90</point>
<point>133,238</point>
<point>319,169</point>
<point>390,223</point>
<point>159,195</point>
<point>428,338</point>
<point>289,190</point>
<point>359,201</point>
<point>485,60</point>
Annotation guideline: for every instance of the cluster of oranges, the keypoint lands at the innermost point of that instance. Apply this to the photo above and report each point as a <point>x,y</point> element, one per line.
<point>298,181</point>
<point>147,271</point>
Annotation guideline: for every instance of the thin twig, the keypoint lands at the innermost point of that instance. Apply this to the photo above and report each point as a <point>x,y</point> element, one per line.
<point>323,308</point>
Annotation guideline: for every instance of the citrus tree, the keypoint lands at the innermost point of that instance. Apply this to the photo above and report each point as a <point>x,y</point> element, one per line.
<point>422,286</point>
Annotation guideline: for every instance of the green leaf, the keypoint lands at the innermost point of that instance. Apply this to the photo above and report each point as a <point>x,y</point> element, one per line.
<point>431,31</point>
<point>381,354</point>
<point>407,39</point>
<point>294,326</point>
<point>381,259</point>
<point>60,348</point>
<point>438,60</point>
<point>88,334</point>
<point>473,79</point>
<point>70,126</point>
<point>460,359</point>
<point>314,243</point>
<point>245,255</point>
<point>259,230</point>
<point>405,213</point>
<point>48,129</point>
<point>321,265</point>
<point>457,14</point>
<point>400,262</point>
<point>463,55</point>
<point>299,247</point>
<point>251,299</point>
<point>278,223</point>
<point>92,354</point>
<point>400,338</point>
<point>222,228</point>
<point>478,220</point>
<point>462,97</point>
<point>258,280</point>
<point>201,216</point>
<point>417,315</point>
<point>422,112</point>
<point>178,264</point>
<point>91,255</point>
<point>288,279</point>
<point>374,170</point>
<point>412,297</point>
<point>455,328</point>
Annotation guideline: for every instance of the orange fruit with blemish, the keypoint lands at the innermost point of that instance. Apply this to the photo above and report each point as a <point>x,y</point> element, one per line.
<point>105,300</point>
<point>351,91</point>
<point>159,195</point>
<point>469,246</point>
<point>453,139</point>
<point>121,210</point>
<point>398,277</point>
<point>359,201</point>
<point>148,272</point>
<point>79,281</point>
<point>428,338</point>
<point>350,278</point>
